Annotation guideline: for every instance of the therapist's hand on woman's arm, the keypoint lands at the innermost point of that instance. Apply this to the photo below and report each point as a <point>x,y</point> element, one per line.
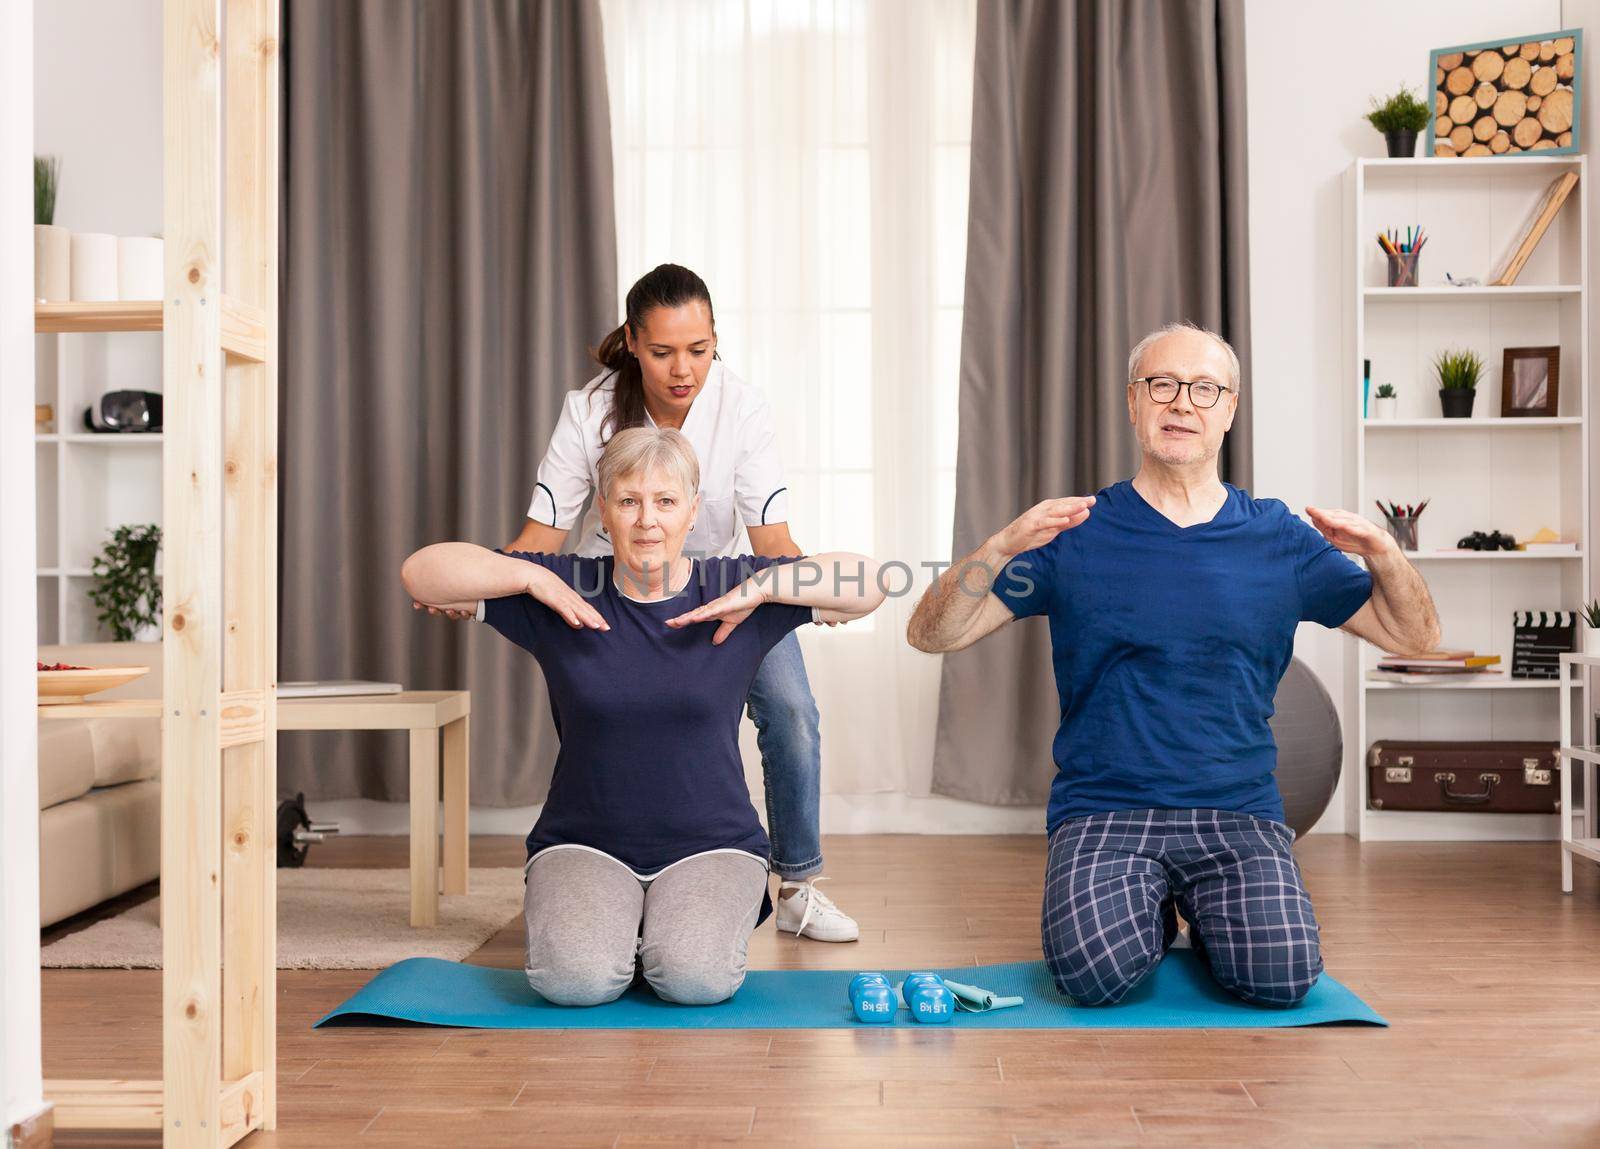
<point>537,538</point>
<point>454,576</point>
<point>774,542</point>
<point>842,586</point>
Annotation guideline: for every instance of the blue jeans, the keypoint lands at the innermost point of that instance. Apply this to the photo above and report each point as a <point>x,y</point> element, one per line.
<point>785,715</point>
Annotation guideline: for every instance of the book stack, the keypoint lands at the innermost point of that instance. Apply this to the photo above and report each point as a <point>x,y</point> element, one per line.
<point>1547,542</point>
<point>1434,666</point>
<point>1555,548</point>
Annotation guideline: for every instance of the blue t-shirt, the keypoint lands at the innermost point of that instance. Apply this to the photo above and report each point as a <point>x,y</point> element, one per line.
<point>1168,644</point>
<point>649,768</point>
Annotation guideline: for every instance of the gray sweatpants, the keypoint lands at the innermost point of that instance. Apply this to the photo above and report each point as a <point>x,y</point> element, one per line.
<point>588,916</point>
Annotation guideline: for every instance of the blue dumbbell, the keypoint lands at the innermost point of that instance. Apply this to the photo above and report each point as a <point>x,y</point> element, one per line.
<point>931,1002</point>
<point>916,978</point>
<point>872,1000</point>
<point>862,979</point>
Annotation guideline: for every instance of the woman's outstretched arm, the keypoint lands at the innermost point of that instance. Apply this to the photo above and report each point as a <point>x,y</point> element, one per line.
<point>839,585</point>
<point>455,576</point>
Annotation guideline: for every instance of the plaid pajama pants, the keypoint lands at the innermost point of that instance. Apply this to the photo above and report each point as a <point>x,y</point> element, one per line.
<point>1111,882</point>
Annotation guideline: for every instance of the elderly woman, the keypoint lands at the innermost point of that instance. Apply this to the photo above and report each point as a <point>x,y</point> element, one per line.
<point>648,849</point>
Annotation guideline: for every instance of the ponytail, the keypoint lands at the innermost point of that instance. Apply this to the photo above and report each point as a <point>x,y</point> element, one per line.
<point>668,285</point>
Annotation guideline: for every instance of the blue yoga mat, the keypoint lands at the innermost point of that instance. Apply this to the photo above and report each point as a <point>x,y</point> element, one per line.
<point>1179,995</point>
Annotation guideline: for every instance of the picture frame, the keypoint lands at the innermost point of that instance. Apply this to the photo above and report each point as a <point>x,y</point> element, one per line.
<point>1530,382</point>
<point>1510,98</point>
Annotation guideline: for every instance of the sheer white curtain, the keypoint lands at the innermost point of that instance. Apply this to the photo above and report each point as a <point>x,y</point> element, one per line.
<point>809,160</point>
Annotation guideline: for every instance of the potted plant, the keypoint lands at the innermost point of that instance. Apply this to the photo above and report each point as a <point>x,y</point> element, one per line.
<point>126,588</point>
<point>1384,401</point>
<point>1591,629</point>
<point>1400,118</point>
<point>1459,372</point>
<point>52,245</point>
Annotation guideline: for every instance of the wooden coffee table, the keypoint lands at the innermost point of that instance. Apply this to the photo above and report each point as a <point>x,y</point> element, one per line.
<point>422,712</point>
<point>425,713</point>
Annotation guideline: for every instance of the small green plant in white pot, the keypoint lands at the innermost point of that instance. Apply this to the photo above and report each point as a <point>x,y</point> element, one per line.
<point>1589,626</point>
<point>1384,401</point>
<point>52,245</point>
<point>125,587</point>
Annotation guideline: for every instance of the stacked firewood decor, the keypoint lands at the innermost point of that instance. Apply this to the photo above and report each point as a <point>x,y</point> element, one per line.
<point>1515,98</point>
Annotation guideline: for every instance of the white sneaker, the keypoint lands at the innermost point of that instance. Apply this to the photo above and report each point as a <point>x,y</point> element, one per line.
<point>810,913</point>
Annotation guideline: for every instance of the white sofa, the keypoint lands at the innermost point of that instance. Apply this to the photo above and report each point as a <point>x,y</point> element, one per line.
<point>99,790</point>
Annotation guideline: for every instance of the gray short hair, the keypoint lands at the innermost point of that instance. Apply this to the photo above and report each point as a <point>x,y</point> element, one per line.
<point>1161,333</point>
<point>640,450</point>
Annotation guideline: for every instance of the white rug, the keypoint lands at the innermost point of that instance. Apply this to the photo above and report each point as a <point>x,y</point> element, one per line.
<point>327,919</point>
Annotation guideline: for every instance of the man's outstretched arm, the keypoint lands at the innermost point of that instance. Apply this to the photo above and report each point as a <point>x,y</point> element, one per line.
<point>958,610</point>
<point>1400,616</point>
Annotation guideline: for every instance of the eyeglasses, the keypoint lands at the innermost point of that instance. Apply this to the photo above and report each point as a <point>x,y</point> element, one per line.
<point>1202,392</point>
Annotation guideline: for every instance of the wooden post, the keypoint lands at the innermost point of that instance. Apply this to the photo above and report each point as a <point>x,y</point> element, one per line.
<point>219,720</point>
<point>191,784</point>
<point>250,262</point>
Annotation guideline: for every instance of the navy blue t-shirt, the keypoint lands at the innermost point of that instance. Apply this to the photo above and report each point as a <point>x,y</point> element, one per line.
<point>1168,644</point>
<point>649,768</point>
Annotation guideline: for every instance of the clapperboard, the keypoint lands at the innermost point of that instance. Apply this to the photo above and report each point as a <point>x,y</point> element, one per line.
<point>1539,639</point>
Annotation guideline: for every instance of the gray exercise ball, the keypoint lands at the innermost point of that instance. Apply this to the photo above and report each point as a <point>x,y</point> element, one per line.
<point>1310,746</point>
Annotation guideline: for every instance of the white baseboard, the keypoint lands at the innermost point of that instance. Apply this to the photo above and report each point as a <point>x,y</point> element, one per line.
<point>931,814</point>
<point>841,814</point>
<point>32,1126</point>
<point>1459,826</point>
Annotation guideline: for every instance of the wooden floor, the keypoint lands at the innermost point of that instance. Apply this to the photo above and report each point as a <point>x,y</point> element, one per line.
<point>1489,976</point>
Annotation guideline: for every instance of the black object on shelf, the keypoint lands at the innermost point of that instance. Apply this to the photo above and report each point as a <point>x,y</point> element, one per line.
<point>1538,640</point>
<point>1493,541</point>
<point>125,412</point>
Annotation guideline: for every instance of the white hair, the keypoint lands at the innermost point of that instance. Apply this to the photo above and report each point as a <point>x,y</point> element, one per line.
<point>640,450</point>
<point>1161,333</point>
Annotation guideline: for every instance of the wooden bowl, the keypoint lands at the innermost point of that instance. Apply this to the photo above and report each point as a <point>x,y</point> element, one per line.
<point>59,687</point>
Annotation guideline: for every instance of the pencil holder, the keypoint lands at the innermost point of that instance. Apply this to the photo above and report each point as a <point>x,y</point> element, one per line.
<point>1404,530</point>
<point>1403,268</point>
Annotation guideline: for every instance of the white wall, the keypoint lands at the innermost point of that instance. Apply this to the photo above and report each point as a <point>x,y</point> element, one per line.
<point>97,104</point>
<point>1305,130</point>
<point>21,1088</point>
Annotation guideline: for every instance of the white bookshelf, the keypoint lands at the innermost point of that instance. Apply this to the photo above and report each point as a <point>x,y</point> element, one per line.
<point>1480,423</point>
<point>1491,556</point>
<point>88,484</point>
<point>1483,473</point>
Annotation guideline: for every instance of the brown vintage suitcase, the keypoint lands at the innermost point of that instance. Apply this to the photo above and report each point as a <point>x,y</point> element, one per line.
<point>1494,777</point>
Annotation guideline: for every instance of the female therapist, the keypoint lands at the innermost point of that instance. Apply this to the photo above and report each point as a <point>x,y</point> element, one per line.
<point>661,370</point>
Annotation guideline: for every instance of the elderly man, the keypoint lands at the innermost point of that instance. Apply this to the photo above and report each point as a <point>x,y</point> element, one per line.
<point>1173,600</point>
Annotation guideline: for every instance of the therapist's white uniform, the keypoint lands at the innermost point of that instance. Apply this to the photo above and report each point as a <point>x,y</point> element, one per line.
<point>730,428</point>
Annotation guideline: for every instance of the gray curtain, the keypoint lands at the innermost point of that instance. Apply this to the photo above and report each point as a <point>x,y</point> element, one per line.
<point>1107,198</point>
<point>448,254</point>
